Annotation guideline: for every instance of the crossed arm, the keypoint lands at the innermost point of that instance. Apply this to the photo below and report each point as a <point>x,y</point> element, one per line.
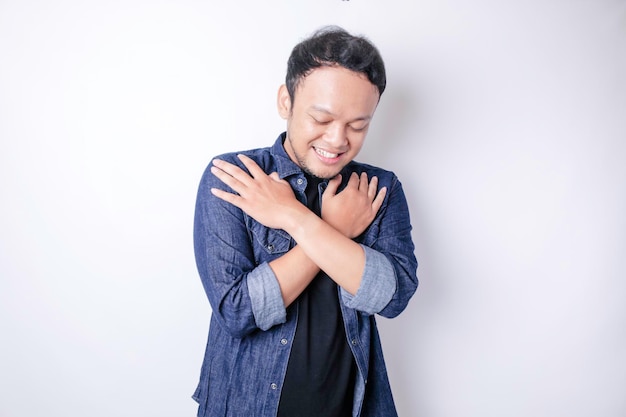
<point>324,243</point>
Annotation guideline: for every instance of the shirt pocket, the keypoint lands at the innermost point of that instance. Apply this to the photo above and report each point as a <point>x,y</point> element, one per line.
<point>267,244</point>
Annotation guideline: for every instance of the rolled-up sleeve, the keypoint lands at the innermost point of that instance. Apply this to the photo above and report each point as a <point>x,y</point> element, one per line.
<point>389,278</point>
<point>378,284</point>
<point>267,300</point>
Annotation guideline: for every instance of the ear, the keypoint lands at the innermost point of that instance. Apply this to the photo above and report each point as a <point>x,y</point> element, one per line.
<point>283,102</point>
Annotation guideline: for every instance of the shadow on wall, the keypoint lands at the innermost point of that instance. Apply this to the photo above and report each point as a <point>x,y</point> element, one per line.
<point>389,132</point>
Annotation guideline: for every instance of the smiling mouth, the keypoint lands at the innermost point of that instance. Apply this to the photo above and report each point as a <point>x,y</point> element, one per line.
<point>326,154</point>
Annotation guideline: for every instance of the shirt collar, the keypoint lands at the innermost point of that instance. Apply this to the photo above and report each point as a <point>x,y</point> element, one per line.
<point>285,167</point>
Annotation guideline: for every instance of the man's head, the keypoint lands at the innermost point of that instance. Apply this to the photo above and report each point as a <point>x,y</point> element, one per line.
<point>332,46</point>
<point>334,82</point>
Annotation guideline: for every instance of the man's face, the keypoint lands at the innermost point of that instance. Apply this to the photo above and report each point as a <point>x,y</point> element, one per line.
<point>329,119</point>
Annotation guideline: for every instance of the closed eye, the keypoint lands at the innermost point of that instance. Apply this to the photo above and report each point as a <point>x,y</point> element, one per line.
<point>321,122</point>
<point>358,128</point>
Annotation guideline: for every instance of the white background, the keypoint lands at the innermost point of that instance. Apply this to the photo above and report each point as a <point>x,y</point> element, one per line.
<point>505,121</point>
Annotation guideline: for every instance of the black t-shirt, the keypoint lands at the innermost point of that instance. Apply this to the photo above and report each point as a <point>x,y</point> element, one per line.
<point>321,370</point>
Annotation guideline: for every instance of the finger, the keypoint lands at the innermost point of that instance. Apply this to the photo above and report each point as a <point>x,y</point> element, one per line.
<point>333,185</point>
<point>232,170</point>
<point>363,186</point>
<point>372,188</point>
<point>274,176</point>
<point>252,166</point>
<point>353,181</point>
<point>378,201</point>
<point>228,179</point>
<point>231,198</point>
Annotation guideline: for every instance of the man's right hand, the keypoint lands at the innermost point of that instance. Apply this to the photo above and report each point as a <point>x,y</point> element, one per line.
<point>355,207</point>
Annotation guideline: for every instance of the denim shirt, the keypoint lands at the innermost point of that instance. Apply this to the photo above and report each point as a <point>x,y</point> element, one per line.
<point>251,331</point>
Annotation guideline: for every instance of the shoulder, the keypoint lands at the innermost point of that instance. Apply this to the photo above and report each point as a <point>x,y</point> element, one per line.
<point>208,180</point>
<point>385,177</point>
<point>259,155</point>
<point>262,156</point>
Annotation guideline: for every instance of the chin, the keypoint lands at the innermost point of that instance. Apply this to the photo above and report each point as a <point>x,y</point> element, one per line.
<point>320,170</point>
<point>324,174</point>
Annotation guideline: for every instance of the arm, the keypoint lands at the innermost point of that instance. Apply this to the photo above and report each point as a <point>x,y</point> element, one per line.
<point>389,280</point>
<point>246,295</point>
<point>241,286</point>
<point>271,202</point>
<point>349,212</point>
<point>225,261</point>
<point>294,271</point>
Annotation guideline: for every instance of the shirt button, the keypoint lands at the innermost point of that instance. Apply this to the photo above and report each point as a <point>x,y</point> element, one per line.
<point>283,341</point>
<point>274,386</point>
<point>270,248</point>
<point>354,342</point>
<point>300,181</point>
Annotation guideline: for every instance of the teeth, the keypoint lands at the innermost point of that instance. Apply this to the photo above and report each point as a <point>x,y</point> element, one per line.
<point>326,154</point>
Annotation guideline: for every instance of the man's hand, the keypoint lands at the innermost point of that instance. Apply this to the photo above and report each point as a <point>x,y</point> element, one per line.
<point>355,207</point>
<point>266,198</point>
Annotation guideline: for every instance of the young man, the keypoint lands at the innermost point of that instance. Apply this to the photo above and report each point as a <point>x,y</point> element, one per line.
<point>298,246</point>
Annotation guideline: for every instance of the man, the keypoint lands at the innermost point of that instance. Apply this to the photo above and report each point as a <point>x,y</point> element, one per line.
<point>298,247</point>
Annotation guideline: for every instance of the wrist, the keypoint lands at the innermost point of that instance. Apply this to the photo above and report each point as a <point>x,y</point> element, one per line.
<point>299,220</point>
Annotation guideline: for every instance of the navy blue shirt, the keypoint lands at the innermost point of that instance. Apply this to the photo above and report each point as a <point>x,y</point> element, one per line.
<point>251,332</point>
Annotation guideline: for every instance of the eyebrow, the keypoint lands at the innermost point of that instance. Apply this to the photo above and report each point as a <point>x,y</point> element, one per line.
<point>330,113</point>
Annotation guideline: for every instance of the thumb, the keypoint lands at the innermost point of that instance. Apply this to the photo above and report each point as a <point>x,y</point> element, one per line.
<point>332,187</point>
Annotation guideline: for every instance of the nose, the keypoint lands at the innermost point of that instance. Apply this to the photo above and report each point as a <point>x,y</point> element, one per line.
<point>336,135</point>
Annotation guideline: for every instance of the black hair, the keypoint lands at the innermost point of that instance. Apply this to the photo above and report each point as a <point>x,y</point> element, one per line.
<point>333,46</point>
